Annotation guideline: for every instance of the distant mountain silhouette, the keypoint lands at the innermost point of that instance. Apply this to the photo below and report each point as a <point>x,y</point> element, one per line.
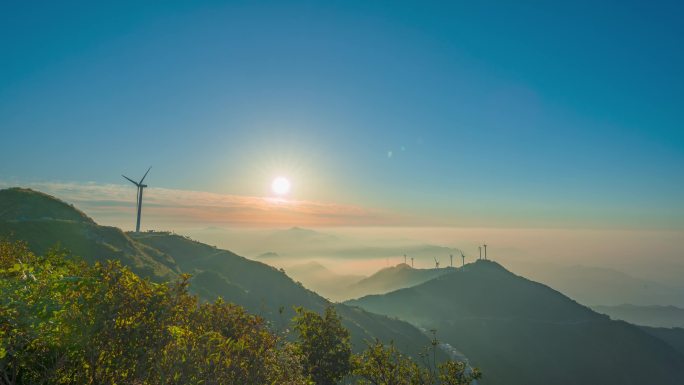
<point>295,242</point>
<point>421,253</point>
<point>258,287</point>
<point>267,255</point>
<point>298,234</point>
<point>321,279</point>
<point>522,332</point>
<point>393,278</point>
<point>655,316</point>
<point>604,286</point>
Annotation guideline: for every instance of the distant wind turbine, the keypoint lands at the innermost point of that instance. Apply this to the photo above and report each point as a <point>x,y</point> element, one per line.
<point>139,195</point>
<point>436,263</point>
<point>411,261</point>
<point>485,246</point>
<point>451,258</point>
<point>480,248</point>
<point>462,257</point>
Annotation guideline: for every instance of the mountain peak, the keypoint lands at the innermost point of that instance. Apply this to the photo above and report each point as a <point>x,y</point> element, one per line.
<point>486,265</point>
<point>298,234</point>
<point>23,204</point>
<point>268,254</point>
<point>394,268</point>
<point>297,229</point>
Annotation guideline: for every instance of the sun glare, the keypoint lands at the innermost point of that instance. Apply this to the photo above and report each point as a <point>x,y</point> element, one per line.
<point>280,186</point>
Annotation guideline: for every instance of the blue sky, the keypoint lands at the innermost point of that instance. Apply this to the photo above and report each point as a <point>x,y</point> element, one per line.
<point>470,114</point>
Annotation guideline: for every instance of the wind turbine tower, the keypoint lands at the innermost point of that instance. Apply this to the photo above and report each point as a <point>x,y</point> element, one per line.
<point>411,261</point>
<point>139,195</point>
<point>436,263</point>
<point>480,248</point>
<point>463,259</point>
<point>451,258</point>
<point>485,246</point>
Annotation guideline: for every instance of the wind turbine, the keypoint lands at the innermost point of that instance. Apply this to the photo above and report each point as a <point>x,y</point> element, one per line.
<point>411,261</point>
<point>485,246</point>
<point>436,263</point>
<point>140,187</point>
<point>480,248</point>
<point>451,258</point>
<point>462,257</point>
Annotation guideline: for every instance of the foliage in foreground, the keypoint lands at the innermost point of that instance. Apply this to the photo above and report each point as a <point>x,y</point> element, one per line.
<point>324,344</point>
<point>63,322</point>
<point>380,364</point>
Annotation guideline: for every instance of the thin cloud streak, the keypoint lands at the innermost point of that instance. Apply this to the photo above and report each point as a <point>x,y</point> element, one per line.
<point>115,204</point>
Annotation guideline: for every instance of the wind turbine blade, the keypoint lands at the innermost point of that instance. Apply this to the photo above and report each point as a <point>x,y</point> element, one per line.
<point>130,180</point>
<point>143,178</point>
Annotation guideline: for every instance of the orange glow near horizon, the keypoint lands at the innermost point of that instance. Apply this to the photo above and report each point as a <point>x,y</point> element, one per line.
<point>171,208</point>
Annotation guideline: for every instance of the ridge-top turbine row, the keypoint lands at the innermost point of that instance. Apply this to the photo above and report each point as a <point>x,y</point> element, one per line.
<point>451,257</point>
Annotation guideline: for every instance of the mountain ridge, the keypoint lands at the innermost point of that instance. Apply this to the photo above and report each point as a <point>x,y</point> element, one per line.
<point>602,286</point>
<point>653,315</point>
<point>519,331</point>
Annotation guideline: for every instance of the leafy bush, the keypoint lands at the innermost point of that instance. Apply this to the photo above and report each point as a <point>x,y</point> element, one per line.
<point>67,322</point>
<point>385,365</point>
<point>324,344</point>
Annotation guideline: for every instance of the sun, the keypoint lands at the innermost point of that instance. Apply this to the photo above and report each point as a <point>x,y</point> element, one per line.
<point>280,185</point>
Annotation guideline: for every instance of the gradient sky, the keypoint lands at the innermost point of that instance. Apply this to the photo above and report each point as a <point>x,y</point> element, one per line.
<point>558,114</point>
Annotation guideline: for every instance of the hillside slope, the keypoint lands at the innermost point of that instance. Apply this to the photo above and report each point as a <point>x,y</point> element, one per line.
<point>21,204</point>
<point>265,290</point>
<point>522,332</point>
<point>672,336</point>
<point>45,222</point>
<point>161,256</point>
<point>393,278</point>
